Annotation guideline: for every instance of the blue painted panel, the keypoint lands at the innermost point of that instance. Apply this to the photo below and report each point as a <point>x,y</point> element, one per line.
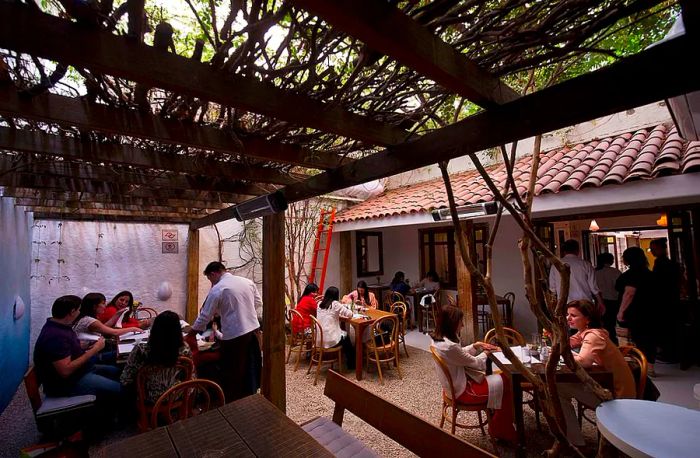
<point>15,265</point>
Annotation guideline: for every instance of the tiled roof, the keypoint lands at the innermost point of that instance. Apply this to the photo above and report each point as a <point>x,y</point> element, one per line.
<point>642,155</point>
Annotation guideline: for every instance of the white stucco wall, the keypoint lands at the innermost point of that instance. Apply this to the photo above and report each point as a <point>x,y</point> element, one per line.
<point>104,257</point>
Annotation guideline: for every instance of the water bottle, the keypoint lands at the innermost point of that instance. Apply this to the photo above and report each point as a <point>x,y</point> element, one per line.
<point>544,354</point>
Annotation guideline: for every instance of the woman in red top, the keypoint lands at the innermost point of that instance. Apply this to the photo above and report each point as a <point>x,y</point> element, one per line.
<point>307,307</point>
<point>121,301</point>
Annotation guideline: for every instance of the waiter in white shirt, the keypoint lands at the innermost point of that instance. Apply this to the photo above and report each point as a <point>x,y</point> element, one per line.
<point>235,299</point>
<point>582,282</point>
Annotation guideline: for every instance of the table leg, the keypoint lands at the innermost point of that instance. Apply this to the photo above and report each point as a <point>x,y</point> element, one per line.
<point>359,350</point>
<point>419,313</point>
<point>518,413</point>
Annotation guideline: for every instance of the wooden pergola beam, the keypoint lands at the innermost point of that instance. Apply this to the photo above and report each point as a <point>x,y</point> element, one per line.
<point>112,153</point>
<point>148,219</point>
<point>76,112</point>
<point>89,198</point>
<point>99,213</point>
<point>630,83</point>
<point>43,183</point>
<point>386,29</point>
<point>35,166</point>
<point>73,205</point>
<point>30,31</point>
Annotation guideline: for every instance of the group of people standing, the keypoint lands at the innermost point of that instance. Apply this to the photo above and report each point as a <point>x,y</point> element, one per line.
<point>643,303</point>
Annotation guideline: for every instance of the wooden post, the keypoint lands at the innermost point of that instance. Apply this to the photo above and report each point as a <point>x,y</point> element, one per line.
<point>273,382</point>
<point>192,307</point>
<point>466,291</point>
<point>345,261</point>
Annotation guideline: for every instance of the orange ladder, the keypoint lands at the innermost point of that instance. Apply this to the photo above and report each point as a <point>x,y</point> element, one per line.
<point>325,228</point>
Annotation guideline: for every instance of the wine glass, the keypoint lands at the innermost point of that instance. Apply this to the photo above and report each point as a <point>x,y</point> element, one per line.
<point>535,344</point>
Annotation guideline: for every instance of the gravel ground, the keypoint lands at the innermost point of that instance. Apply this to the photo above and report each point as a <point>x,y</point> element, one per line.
<point>418,392</point>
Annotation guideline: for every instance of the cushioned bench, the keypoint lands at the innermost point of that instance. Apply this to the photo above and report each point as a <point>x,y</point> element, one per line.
<point>414,433</point>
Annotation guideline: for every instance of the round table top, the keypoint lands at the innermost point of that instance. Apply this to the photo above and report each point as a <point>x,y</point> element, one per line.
<point>650,429</point>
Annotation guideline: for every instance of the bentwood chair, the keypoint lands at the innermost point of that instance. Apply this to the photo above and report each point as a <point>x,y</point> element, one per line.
<point>181,372</point>
<point>320,355</point>
<point>383,346</point>
<point>513,337</point>
<point>451,407</point>
<point>399,308</point>
<point>300,341</point>
<point>186,400</point>
<point>508,309</point>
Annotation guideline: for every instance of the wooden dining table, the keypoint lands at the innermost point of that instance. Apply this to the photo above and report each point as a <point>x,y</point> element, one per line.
<point>563,375</point>
<point>360,324</point>
<point>249,427</point>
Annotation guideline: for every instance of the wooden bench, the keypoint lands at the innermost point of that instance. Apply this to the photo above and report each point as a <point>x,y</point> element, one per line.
<point>414,433</point>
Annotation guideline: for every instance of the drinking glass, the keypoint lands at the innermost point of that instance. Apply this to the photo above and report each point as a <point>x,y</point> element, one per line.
<point>525,356</point>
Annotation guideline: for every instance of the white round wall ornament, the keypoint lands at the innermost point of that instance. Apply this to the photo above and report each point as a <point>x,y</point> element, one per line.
<point>18,309</point>
<point>165,291</point>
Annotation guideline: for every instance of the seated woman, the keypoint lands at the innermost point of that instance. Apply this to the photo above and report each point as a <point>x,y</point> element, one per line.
<point>399,285</point>
<point>467,368</point>
<point>164,346</point>
<point>595,347</point>
<point>328,315</point>
<point>306,307</point>
<point>119,303</point>
<point>92,305</point>
<point>361,295</point>
<point>430,283</point>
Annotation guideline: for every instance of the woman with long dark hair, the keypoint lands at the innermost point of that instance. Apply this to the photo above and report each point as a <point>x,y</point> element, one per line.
<point>123,302</point>
<point>328,315</point>
<point>306,307</point>
<point>361,296</point>
<point>638,299</point>
<point>92,305</point>
<point>594,347</point>
<point>162,350</point>
<point>467,366</point>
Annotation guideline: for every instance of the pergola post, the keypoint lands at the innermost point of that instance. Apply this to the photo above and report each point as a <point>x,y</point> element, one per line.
<point>192,307</point>
<point>466,292</point>
<point>273,376</point>
<point>345,261</point>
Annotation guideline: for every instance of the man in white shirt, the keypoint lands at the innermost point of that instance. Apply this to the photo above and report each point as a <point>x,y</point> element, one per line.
<point>235,299</point>
<point>582,282</point>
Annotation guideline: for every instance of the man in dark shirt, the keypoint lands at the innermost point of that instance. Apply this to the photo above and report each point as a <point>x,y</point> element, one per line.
<point>65,369</point>
<point>668,278</point>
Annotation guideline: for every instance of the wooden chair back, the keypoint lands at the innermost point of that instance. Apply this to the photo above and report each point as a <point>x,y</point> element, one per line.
<point>184,367</point>
<point>382,338</point>
<point>143,313</point>
<point>513,337</point>
<point>638,356</point>
<point>187,399</point>
<point>295,316</point>
<point>446,371</point>
<point>399,308</point>
<point>31,384</point>
<point>396,423</point>
<point>397,297</point>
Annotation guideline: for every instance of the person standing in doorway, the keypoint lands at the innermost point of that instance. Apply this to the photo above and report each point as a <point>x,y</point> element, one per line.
<point>582,283</point>
<point>235,300</point>
<point>606,276</point>
<point>668,286</point>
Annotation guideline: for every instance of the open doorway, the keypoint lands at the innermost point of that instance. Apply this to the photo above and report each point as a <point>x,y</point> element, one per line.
<point>617,241</point>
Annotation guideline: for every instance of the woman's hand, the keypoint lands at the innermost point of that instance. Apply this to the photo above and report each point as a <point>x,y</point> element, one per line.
<point>487,347</point>
<point>620,316</point>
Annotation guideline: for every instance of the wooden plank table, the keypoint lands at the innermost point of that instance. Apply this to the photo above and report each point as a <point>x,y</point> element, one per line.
<point>360,324</point>
<point>563,375</point>
<point>249,427</point>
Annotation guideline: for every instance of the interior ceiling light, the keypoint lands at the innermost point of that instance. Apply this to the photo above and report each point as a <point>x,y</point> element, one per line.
<point>662,221</point>
<point>593,226</point>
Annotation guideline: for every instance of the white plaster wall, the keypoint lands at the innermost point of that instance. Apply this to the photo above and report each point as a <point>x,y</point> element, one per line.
<point>126,256</point>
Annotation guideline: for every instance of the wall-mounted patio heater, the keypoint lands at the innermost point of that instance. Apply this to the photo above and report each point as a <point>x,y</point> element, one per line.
<point>466,211</point>
<point>261,206</point>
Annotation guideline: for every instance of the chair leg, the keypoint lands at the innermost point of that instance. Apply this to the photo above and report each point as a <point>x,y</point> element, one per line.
<point>311,362</point>
<point>289,353</point>
<point>398,362</point>
<point>454,419</point>
<point>481,422</point>
<point>301,348</point>
<point>442,414</point>
<point>318,367</point>
<point>379,367</point>
<point>404,346</point>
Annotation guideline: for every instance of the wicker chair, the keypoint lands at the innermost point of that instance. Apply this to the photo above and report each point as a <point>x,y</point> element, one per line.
<point>399,308</point>
<point>146,409</point>
<point>383,346</point>
<point>187,399</point>
<point>320,355</point>
<point>300,342</point>
<point>451,407</point>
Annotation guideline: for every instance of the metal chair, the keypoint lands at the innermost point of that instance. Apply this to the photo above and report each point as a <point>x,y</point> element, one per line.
<point>428,307</point>
<point>319,354</point>
<point>400,308</point>
<point>383,346</point>
<point>300,342</point>
<point>181,372</point>
<point>187,399</point>
<point>449,401</point>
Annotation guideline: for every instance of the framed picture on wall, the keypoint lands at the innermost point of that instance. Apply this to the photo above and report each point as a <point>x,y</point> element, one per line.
<point>170,247</point>
<point>169,235</point>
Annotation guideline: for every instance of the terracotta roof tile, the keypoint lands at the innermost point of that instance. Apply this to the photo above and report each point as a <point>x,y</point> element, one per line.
<point>644,154</point>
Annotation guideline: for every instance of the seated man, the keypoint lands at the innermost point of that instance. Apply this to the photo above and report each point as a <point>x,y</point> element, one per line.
<point>62,366</point>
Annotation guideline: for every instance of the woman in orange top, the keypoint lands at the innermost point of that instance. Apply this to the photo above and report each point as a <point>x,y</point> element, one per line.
<point>121,301</point>
<point>595,347</point>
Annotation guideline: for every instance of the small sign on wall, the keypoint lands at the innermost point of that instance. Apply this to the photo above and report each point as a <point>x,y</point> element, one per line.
<point>170,247</point>
<point>169,235</point>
